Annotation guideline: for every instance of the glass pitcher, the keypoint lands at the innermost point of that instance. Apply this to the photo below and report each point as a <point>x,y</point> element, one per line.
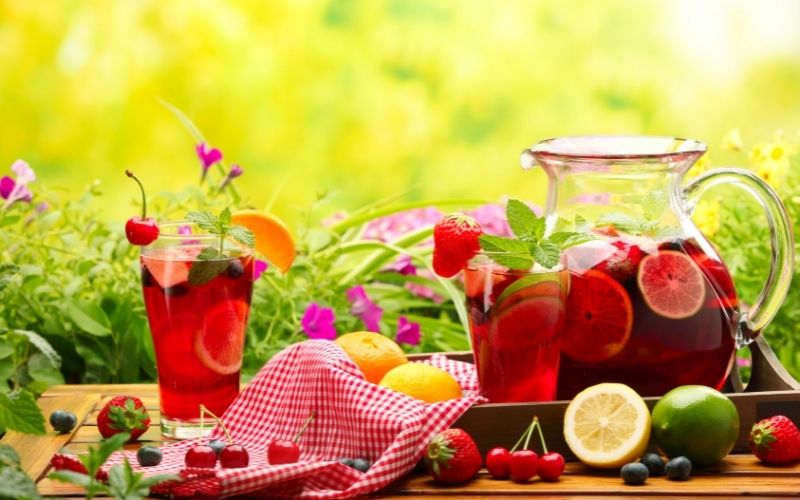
<point>651,304</point>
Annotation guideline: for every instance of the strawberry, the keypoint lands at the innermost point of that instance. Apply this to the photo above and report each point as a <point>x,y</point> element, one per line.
<point>455,242</point>
<point>623,263</point>
<point>453,457</point>
<point>62,461</point>
<point>775,440</point>
<point>123,414</point>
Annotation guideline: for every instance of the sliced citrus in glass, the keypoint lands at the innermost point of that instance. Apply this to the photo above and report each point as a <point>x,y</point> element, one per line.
<point>671,284</point>
<point>220,342</point>
<point>600,317</point>
<point>273,239</point>
<point>607,425</point>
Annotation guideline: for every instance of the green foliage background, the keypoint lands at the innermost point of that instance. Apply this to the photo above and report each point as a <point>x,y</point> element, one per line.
<point>371,97</point>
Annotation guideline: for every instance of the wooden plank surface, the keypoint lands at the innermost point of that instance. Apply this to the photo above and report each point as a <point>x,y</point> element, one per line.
<point>738,475</point>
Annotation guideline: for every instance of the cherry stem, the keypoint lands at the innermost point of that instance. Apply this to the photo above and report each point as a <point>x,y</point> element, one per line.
<point>204,410</point>
<point>526,432</point>
<point>308,421</point>
<point>144,198</point>
<point>541,436</point>
<point>535,423</point>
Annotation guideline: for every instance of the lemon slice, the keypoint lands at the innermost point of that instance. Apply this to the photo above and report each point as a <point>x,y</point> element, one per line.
<point>273,239</point>
<point>607,425</point>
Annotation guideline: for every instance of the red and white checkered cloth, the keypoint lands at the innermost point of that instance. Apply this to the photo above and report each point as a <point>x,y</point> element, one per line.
<point>355,419</point>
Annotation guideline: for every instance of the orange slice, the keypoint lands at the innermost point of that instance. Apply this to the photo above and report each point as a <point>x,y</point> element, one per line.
<point>273,240</point>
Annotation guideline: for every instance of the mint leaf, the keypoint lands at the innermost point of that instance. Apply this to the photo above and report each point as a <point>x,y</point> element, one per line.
<point>9,456</point>
<point>581,225</point>
<point>546,253</point>
<point>242,235</point>
<point>71,477</point>
<point>19,412</point>
<point>491,243</point>
<point>124,483</point>
<point>203,271</point>
<point>208,253</point>
<point>523,221</point>
<point>43,346</point>
<point>224,220</point>
<point>204,220</point>
<point>16,484</point>
<point>567,239</point>
<point>7,273</point>
<point>521,261</point>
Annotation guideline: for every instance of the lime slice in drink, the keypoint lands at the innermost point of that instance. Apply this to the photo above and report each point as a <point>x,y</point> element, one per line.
<point>600,317</point>
<point>219,343</point>
<point>671,284</point>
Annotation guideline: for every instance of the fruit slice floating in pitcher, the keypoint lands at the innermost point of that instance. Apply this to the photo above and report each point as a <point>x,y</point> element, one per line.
<point>600,318</point>
<point>671,284</point>
<point>219,344</point>
<point>273,239</point>
<point>721,281</point>
<point>527,323</point>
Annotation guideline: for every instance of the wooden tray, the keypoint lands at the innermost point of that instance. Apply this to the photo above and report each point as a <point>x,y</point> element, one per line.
<point>771,391</point>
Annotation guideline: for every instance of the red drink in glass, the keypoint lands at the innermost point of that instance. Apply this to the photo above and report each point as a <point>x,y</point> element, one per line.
<point>682,309</point>
<point>516,319</point>
<point>198,329</point>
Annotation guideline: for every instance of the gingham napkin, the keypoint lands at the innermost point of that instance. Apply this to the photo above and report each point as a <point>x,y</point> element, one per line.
<point>354,419</point>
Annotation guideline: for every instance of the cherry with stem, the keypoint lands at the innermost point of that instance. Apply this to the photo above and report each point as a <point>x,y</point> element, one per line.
<point>284,451</point>
<point>141,230</point>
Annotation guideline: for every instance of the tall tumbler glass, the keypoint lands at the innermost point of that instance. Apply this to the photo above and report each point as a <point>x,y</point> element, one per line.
<point>197,309</point>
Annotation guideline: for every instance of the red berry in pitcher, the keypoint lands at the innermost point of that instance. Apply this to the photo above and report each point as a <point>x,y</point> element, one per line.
<point>622,264</point>
<point>141,230</point>
<point>497,462</point>
<point>455,242</point>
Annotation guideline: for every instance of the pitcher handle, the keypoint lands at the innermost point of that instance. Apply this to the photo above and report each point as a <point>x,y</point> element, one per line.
<point>781,268</point>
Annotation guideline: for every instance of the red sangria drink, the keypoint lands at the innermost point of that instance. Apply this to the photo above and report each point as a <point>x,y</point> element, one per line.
<point>516,320</point>
<point>650,314</point>
<point>198,301</point>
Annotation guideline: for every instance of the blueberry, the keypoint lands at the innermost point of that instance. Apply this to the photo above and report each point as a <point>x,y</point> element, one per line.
<point>634,474</point>
<point>235,269</point>
<point>217,445</point>
<point>178,290</point>
<point>148,456</point>
<point>361,465</point>
<point>347,461</point>
<point>654,463</point>
<point>63,421</point>
<point>679,469</point>
<point>147,277</point>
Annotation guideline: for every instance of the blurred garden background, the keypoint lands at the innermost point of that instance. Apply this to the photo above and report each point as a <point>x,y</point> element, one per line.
<point>417,101</point>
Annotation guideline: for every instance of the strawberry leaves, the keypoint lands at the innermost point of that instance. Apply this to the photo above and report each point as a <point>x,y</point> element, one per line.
<point>530,245</point>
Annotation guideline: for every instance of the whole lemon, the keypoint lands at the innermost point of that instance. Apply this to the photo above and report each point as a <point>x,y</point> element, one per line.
<point>374,353</point>
<point>697,422</point>
<point>422,381</point>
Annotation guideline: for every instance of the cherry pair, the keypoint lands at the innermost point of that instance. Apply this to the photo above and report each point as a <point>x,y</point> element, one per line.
<point>204,456</point>
<point>524,464</point>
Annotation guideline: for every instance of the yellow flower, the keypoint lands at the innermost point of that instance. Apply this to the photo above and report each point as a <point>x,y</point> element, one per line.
<point>701,166</point>
<point>732,140</point>
<point>771,159</point>
<point>706,216</point>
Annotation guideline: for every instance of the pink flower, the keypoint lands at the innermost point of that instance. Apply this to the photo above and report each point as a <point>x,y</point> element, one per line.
<point>492,218</point>
<point>396,225</point>
<point>404,266</point>
<point>407,331</point>
<point>184,230</point>
<point>743,362</point>
<point>208,156</point>
<point>318,321</point>
<point>258,268</point>
<point>17,189</point>
<point>365,309</point>
<point>235,172</point>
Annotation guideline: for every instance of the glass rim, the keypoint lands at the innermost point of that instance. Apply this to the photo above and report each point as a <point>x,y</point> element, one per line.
<point>176,236</point>
<point>535,269</point>
<point>615,147</point>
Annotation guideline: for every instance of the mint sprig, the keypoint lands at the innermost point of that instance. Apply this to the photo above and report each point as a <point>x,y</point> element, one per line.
<point>530,245</point>
<point>212,261</point>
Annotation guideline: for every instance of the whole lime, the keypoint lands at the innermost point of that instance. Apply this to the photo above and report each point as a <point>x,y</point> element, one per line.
<point>697,422</point>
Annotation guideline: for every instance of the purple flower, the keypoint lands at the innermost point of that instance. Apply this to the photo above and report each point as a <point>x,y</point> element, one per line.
<point>404,266</point>
<point>235,172</point>
<point>365,309</point>
<point>317,322</point>
<point>208,156</point>
<point>185,230</point>
<point>258,268</point>
<point>17,189</point>
<point>743,362</point>
<point>407,331</point>
<point>396,225</point>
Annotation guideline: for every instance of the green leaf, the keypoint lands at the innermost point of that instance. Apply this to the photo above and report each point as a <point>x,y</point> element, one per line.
<point>124,483</point>
<point>89,317</point>
<point>208,253</point>
<point>14,483</point>
<point>9,456</point>
<point>546,253</point>
<point>203,271</point>
<point>71,477</point>
<point>6,349</point>
<point>567,239</point>
<point>7,273</point>
<point>98,456</point>
<point>41,370</point>
<point>491,243</point>
<point>204,220</point>
<point>523,221</point>
<point>520,261</point>
<point>19,412</point>
<point>242,235</point>
<point>42,345</point>
<point>224,220</point>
